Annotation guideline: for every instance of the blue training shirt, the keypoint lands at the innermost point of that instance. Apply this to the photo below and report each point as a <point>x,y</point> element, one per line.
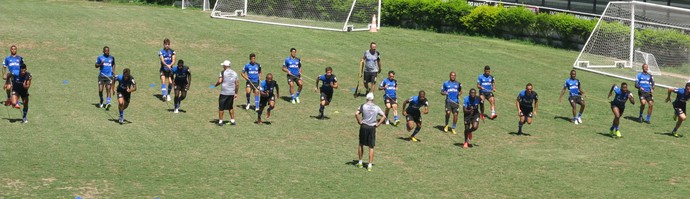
<point>108,63</point>
<point>252,71</point>
<point>268,87</point>
<point>293,65</point>
<point>527,100</point>
<point>645,81</point>
<point>486,82</point>
<point>573,85</point>
<point>391,89</point>
<point>13,64</point>
<point>167,56</point>
<point>681,98</point>
<point>620,97</point>
<point>452,88</point>
<point>415,103</point>
<point>472,103</point>
<point>326,86</point>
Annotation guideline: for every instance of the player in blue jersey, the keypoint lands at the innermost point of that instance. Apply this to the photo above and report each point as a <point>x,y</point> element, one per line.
<point>679,105</point>
<point>413,114</point>
<point>11,65</point>
<point>527,103</point>
<point>645,85</point>
<point>390,98</point>
<point>106,66</point>
<point>371,64</point>
<point>623,95</point>
<point>252,74</point>
<point>167,58</point>
<point>182,77</point>
<point>328,83</point>
<point>452,90</point>
<point>573,86</point>
<point>20,89</point>
<point>126,85</point>
<point>470,108</point>
<point>487,86</point>
<point>267,97</point>
<point>293,67</point>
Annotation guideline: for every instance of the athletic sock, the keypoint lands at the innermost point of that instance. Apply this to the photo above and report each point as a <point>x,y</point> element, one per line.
<point>107,100</point>
<point>579,115</point>
<point>395,118</point>
<point>297,94</point>
<point>360,162</point>
<point>675,129</point>
<point>574,118</point>
<point>416,130</point>
<point>369,165</point>
<point>177,105</point>
<point>122,113</point>
<point>256,101</point>
<point>232,120</point>
<point>648,117</point>
<point>164,89</point>
<point>612,127</point>
<point>248,95</point>
<point>455,125</point>
<point>616,128</point>
<point>100,95</point>
<point>293,96</point>
<point>25,111</point>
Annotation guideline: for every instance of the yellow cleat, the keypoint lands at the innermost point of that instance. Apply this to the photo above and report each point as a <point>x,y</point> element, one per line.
<point>414,139</point>
<point>453,131</point>
<point>445,129</point>
<point>618,134</point>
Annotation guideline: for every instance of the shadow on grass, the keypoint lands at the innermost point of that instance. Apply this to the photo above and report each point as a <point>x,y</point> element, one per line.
<point>180,110</point>
<point>319,117</point>
<point>606,135</point>
<point>568,119</point>
<point>286,98</point>
<point>519,134</point>
<point>460,145</point>
<point>96,105</point>
<point>634,119</point>
<point>407,139</point>
<point>263,122</point>
<point>440,127</point>
<point>244,107</point>
<point>117,121</point>
<point>159,97</point>
<point>13,120</point>
<point>667,134</point>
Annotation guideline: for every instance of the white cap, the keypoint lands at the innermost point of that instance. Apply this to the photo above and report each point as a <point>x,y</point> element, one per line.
<point>370,96</point>
<point>225,63</point>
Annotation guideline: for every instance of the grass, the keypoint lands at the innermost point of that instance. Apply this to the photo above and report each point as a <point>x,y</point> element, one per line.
<point>70,148</point>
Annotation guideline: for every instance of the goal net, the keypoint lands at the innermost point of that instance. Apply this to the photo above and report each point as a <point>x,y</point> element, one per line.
<point>629,34</point>
<point>336,15</point>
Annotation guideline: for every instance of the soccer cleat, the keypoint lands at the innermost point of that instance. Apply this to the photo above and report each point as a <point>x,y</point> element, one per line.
<point>256,108</point>
<point>233,123</point>
<point>107,107</point>
<point>466,145</point>
<point>519,133</point>
<point>293,101</point>
<point>469,136</point>
<point>396,122</point>
<point>24,120</point>
<point>100,105</point>
<point>122,120</point>
<point>8,102</point>
<point>164,98</point>
<point>17,106</point>
<point>297,99</point>
<point>176,111</point>
<point>168,98</point>
<point>579,120</point>
<point>618,134</point>
<point>493,116</point>
<point>388,122</point>
<point>575,121</point>
<point>370,167</point>
<point>445,129</point>
<point>675,134</point>
<point>246,107</point>
<point>453,131</point>
<point>414,139</point>
<point>360,165</point>
<point>220,123</point>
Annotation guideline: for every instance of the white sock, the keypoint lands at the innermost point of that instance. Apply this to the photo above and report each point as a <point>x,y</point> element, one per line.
<point>220,121</point>
<point>369,165</point>
<point>360,162</point>
<point>232,120</point>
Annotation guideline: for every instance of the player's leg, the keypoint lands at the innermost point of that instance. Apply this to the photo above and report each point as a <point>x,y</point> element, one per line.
<point>445,125</point>
<point>14,99</point>
<point>170,81</point>
<point>681,117</point>
<point>256,96</point>
<point>371,142</point>
<point>455,120</point>
<point>573,105</point>
<point>649,110</point>
<point>25,111</point>
<point>164,85</point>
<point>366,81</point>
<point>248,94</point>
<point>8,89</point>
<point>492,101</point>
<point>100,92</point>
<point>388,108</point>
<point>582,110</point>
<point>230,103</point>
<point>466,132</point>
<point>259,111</point>
<point>121,107</point>
<point>109,90</point>
<point>521,120</point>
<point>418,122</point>
<point>395,113</point>
<point>362,142</point>
<point>291,83</point>
<point>177,99</point>
<point>481,104</point>
<point>643,102</point>
<point>616,119</point>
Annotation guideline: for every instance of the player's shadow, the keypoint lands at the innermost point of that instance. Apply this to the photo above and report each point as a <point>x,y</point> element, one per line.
<point>180,110</point>
<point>118,121</point>
<point>96,105</point>
<point>459,144</point>
<point>439,127</point>
<point>320,118</point>
<point>243,107</point>
<point>516,134</point>
<point>634,119</point>
<point>159,97</point>
<point>13,120</point>
<point>286,98</point>
<point>606,134</point>
<point>359,94</point>
<point>407,139</point>
<point>262,122</point>
<point>667,134</point>
<point>568,119</point>
<point>354,162</point>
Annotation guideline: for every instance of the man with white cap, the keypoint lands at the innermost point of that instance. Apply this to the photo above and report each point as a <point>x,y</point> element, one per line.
<point>228,92</point>
<point>367,128</point>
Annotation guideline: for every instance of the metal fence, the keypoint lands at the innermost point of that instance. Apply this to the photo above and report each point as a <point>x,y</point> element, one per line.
<point>591,6</point>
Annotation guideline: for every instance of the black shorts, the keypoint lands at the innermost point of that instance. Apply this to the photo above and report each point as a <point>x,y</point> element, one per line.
<point>249,84</point>
<point>370,77</point>
<point>180,86</point>
<point>679,108</point>
<point>293,78</point>
<point>164,72</point>
<point>264,100</point>
<point>225,102</point>
<point>487,95</point>
<point>124,95</point>
<point>452,107</point>
<point>103,80</point>
<point>367,135</point>
<point>389,100</point>
<point>647,96</point>
<point>414,115</point>
<point>621,107</point>
<point>526,111</point>
<point>19,90</point>
<point>469,119</point>
<point>576,99</point>
<point>328,96</point>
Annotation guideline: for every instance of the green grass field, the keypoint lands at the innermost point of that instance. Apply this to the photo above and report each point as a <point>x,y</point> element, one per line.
<point>70,148</point>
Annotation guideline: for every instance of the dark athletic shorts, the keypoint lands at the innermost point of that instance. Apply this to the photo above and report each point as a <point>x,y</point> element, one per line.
<point>526,111</point>
<point>370,77</point>
<point>102,80</point>
<point>263,101</point>
<point>367,135</point>
<point>414,115</point>
<point>576,99</point>
<point>327,96</point>
<point>647,96</point>
<point>225,102</point>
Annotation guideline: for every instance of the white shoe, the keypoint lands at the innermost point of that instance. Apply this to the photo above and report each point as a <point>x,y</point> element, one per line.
<point>576,122</point>
<point>24,120</point>
<point>246,107</point>
<point>168,98</point>
<point>579,120</point>
<point>388,122</point>
<point>100,105</point>
<point>297,99</point>
<point>164,97</point>
<point>176,111</point>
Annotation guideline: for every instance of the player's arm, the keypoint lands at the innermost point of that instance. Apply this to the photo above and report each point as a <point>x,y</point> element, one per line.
<point>316,85</point>
<point>172,62</point>
<point>668,97</point>
<point>358,117</point>
<point>245,73</point>
<point>160,56</point>
<point>466,109</point>
<point>285,69</point>
<point>133,87</point>
<point>536,106</point>
<point>113,70</point>
<point>517,105</point>
<point>4,73</point>
<point>493,84</point>
<point>98,63</point>
<point>334,83</point>
<point>220,80</point>
<point>579,88</point>
<point>479,85</point>
<point>405,106</point>
<point>426,108</point>
<point>383,85</point>
<point>27,83</point>
<point>443,90</point>
<point>237,88</point>
<point>562,92</point>
<point>637,83</point>
<point>378,63</point>
<point>277,90</point>
<point>189,80</point>
<point>631,98</point>
<point>652,84</point>
<point>611,91</point>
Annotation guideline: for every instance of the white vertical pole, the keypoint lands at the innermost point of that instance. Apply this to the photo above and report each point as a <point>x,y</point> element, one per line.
<point>349,14</point>
<point>378,21</point>
<point>632,32</point>
<point>245,8</point>
<point>183,4</point>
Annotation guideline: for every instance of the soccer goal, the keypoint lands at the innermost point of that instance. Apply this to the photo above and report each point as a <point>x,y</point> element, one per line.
<point>631,33</point>
<point>335,15</point>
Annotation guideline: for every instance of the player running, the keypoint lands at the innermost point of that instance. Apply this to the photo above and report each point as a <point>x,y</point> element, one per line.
<point>20,89</point>
<point>126,85</point>
<point>182,77</point>
<point>470,109</point>
<point>267,98</point>
<point>390,87</point>
<point>623,95</point>
<point>293,67</point>
<point>12,63</point>
<point>372,66</point>
<point>413,114</point>
<point>645,85</point>
<point>167,57</point>
<point>367,128</point>
<point>252,73</point>
<point>452,90</point>
<point>573,85</point>
<point>525,107</point>
<point>106,65</point>
<point>679,105</point>
<point>228,92</point>
<point>329,82</point>
<point>487,86</point>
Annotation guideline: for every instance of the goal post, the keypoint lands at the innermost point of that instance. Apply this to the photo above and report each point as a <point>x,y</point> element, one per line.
<point>334,15</point>
<point>631,33</point>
